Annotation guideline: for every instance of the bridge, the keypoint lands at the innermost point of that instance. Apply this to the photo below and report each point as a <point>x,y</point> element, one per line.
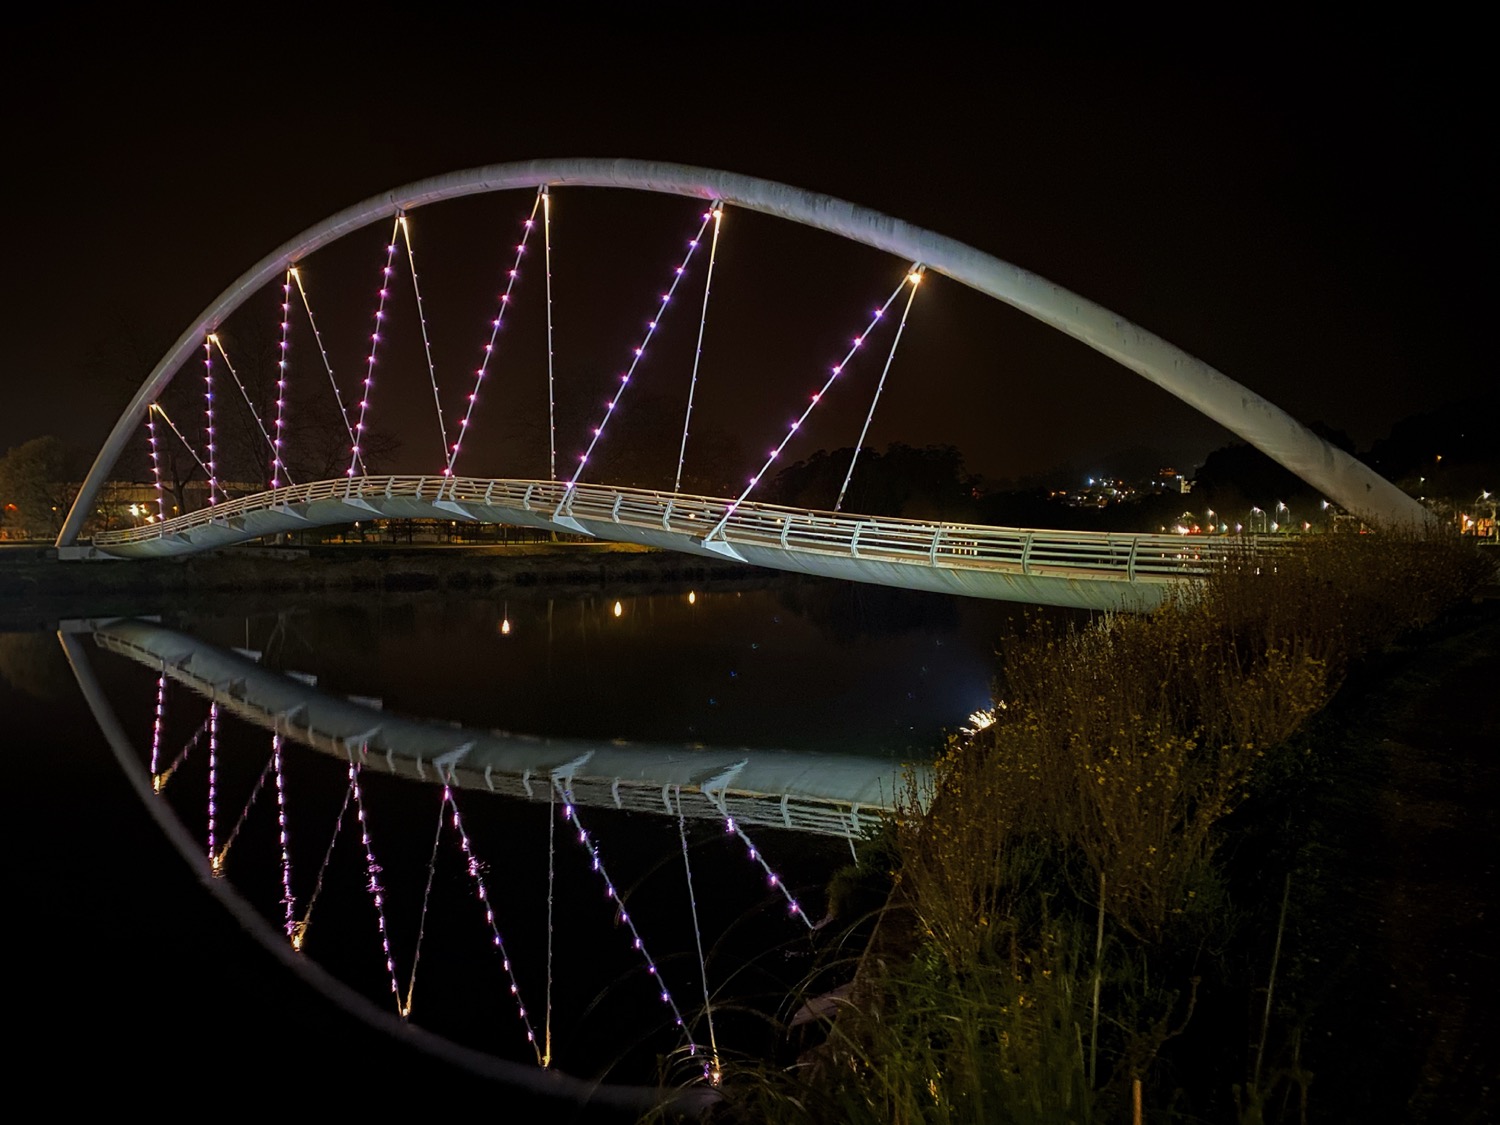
<point>1030,565</point>
<point>215,762</point>
<point>1077,569</point>
<point>838,795</point>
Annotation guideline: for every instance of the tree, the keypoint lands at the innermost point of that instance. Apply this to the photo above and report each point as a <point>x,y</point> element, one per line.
<point>927,483</point>
<point>36,488</point>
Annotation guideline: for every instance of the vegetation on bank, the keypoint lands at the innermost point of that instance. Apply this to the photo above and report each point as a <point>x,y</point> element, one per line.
<point>1069,936</point>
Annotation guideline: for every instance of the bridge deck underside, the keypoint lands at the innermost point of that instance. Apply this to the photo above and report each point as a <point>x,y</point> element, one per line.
<point>883,552</point>
<point>821,793</point>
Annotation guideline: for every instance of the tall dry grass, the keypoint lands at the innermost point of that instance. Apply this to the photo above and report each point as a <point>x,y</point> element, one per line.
<point>1065,858</point>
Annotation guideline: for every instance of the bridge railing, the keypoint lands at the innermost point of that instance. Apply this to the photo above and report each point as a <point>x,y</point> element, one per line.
<point>912,542</point>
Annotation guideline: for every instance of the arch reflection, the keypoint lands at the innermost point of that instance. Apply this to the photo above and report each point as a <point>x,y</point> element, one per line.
<point>570,782</point>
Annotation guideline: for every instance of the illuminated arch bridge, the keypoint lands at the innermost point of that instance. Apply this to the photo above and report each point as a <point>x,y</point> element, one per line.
<point>1045,567</point>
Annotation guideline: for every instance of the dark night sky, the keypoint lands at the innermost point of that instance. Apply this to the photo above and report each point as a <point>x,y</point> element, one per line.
<point>1303,216</point>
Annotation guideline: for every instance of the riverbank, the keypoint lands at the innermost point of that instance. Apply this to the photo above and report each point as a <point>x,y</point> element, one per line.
<point>1394,921</point>
<point>35,588</point>
<point>1235,863</point>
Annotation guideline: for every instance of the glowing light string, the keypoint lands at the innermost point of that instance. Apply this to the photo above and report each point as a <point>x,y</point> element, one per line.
<point>159,782</point>
<point>234,833</point>
<point>235,375</point>
<point>214,861</point>
<point>161,496</point>
<point>416,956</point>
<point>411,259</point>
<point>551,848</point>
<point>282,358</point>
<point>157,408</point>
<point>372,884</point>
<point>717,211</point>
<point>208,398</point>
<point>159,721</point>
<point>817,397</point>
<point>477,874</point>
<point>551,401</point>
<point>772,879</point>
<point>915,277</point>
<point>570,813</point>
<point>299,931</point>
<point>364,398</point>
<point>288,900</point>
<point>711,1070</point>
<point>638,352</point>
<point>323,351</point>
<point>512,275</point>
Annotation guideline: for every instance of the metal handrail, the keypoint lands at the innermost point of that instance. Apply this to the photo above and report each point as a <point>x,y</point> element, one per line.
<point>916,542</point>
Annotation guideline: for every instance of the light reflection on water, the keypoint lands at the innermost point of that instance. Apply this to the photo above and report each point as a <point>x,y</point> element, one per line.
<point>805,665</point>
<point>796,665</point>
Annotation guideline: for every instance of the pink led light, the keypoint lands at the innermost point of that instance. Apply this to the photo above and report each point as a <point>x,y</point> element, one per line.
<point>373,886</point>
<point>475,870</point>
<point>208,398</point>
<point>156,726</point>
<point>288,900</point>
<point>213,772</point>
<point>816,397</point>
<point>386,271</point>
<point>512,275</point>
<point>161,496</point>
<point>570,813</point>
<point>286,326</point>
<point>640,350</point>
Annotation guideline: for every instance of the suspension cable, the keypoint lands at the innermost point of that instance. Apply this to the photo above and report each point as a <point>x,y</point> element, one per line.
<point>156,406</point>
<point>208,398</point>
<point>838,368</point>
<point>283,347</point>
<point>711,1070</point>
<point>160,721</point>
<point>915,277</point>
<point>159,782</point>
<point>372,884</point>
<point>476,873</point>
<point>364,398</point>
<point>323,351</point>
<point>416,957</point>
<point>512,275</point>
<point>411,260</point>
<point>717,210</point>
<point>234,833</point>
<point>271,445</point>
<point>551,401</point>
<point>299,933</point>
<point>570,813</point>
<point>551,847</point>
<point>161,496</point>
<point>283,832</point>
<point>772,879</point>
<point>214,863</point>
<point>639,351</point>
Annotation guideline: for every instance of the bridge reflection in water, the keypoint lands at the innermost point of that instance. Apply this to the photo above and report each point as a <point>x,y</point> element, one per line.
<point>770,793</point>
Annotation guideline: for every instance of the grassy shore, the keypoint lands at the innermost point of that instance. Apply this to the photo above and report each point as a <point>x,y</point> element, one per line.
<point>1226,862</point>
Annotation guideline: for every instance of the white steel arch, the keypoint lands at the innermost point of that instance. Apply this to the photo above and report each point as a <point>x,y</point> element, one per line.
<point>1343,479</point>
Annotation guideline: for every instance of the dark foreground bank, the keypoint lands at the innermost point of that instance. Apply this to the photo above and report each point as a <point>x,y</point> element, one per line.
<point>1394,919</point>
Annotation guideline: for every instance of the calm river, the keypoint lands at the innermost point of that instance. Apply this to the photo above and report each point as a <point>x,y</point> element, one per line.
<point>131,971</point>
